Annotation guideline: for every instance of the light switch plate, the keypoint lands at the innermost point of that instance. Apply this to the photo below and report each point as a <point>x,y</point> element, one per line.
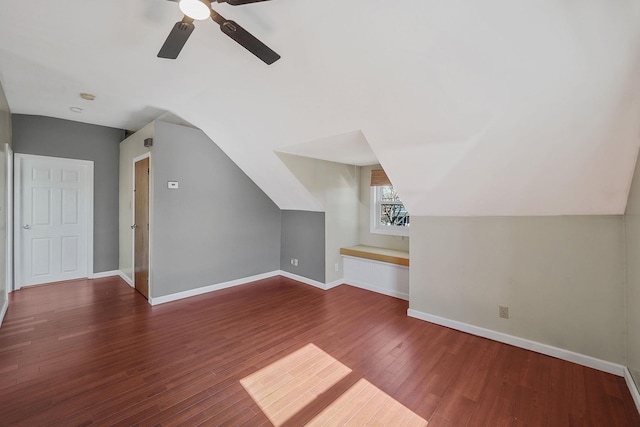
<point>172,184</point>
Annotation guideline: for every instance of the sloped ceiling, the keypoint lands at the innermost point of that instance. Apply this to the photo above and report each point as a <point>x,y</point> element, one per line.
<point>350,148</point>
<point>473,108</point>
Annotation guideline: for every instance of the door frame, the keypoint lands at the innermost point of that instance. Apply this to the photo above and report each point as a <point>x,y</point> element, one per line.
<point>133,221</point>
<point>17,212</point>
<point>9,218</point>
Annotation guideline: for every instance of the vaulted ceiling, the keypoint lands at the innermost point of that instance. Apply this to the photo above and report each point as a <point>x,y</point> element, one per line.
<point>497,107</point>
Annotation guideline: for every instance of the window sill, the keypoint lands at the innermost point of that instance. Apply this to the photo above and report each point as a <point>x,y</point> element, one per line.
<point>399,231</point>
<point>391,256</point>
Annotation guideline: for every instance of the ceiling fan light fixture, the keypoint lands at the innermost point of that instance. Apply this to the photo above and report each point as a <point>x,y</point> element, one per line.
<point>196,9</point>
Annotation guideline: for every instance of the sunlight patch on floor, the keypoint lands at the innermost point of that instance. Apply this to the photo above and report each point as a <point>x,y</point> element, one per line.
<point>366,405</point>
<point>286,386</point>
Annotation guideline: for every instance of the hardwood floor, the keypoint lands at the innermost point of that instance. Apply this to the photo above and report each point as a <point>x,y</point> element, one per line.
<point>95,353</point>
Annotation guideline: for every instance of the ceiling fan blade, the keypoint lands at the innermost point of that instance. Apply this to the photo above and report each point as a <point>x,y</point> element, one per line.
<point>245,39</point>
<point>177,39</point>
<point>239,2</point>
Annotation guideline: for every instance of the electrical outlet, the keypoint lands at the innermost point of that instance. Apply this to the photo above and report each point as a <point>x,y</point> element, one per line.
<point>503,312</point>
<point>337,267</point>
<point>291,261</point>
<point>295,262</point>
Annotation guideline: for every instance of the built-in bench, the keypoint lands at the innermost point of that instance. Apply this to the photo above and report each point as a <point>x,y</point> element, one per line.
<point>377,269</point>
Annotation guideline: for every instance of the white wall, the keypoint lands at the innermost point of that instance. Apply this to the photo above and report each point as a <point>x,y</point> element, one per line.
<point>131,148</point>
<point>632,239</point>
<point>335,187</point>
<point>341,221</point>
<point>561,277</point>
<point>365,236</point>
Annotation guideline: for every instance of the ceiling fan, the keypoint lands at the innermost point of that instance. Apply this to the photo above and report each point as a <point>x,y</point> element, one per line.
<point>201,9</point>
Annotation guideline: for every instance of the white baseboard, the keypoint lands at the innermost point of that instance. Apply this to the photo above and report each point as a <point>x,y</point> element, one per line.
<point>112,273</point>
<point>103,274</point>
<point>305,280</point>
<point>327,286</point>
<point>3,311</point>
<point>211,288</point>
<point>334,284</point>
<point>633,388</point>
<point>125,278</point>
<point>383,291</point>
<point>355,283</point>
<point>570,356</point>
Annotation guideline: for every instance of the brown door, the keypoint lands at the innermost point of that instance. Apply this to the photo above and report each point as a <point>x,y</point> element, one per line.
<point>141,238</point>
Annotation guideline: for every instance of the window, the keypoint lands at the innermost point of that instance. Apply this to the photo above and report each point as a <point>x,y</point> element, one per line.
<point>388,214</point>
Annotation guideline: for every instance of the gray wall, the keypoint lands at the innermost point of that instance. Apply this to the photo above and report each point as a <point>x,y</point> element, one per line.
<point>561,277</point>
<point>303,238</point>
<point>218,226</point>
<point>632,239</point>
<point>47,136</point>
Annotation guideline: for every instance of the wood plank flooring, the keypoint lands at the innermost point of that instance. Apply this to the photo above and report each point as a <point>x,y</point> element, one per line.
<point>94,353</point>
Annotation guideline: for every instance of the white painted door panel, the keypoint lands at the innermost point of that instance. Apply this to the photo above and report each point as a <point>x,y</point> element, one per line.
<point>53,228</point>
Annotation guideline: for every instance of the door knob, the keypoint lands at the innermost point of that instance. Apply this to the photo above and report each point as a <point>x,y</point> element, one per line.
<point>133,227</point>
<point>26,226</point>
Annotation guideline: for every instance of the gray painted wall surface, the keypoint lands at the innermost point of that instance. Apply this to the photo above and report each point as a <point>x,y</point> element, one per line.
<point>632,240</point>
<point>561,277</point>
<point>47,136</point>
<point>303,238</point>
<point>218,226</point>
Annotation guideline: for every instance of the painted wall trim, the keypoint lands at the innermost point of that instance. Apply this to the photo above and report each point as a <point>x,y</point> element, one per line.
<point>334,284</point>
<point>103,274</point>
<point>383,291</point>
<point>133,221</point>
<point>633,388</point>
<point>125,278</point>
<point>224,285</point>
<point>9,285</point>
<point>113,273</point>
<point>307,281</point>
<point>210,288</point>
<point>5,306</point>
<point>327,286</point>
<point>570,356</point>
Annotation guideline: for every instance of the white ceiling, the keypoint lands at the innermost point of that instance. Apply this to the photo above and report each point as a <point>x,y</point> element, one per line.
<point>497,107</point>
<point>350,148</point>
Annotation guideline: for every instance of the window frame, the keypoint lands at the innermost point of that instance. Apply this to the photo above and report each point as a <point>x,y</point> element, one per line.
<point>376,227</point>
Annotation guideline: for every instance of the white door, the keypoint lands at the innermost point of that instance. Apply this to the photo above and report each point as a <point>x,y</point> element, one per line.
<point>53,224</point>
